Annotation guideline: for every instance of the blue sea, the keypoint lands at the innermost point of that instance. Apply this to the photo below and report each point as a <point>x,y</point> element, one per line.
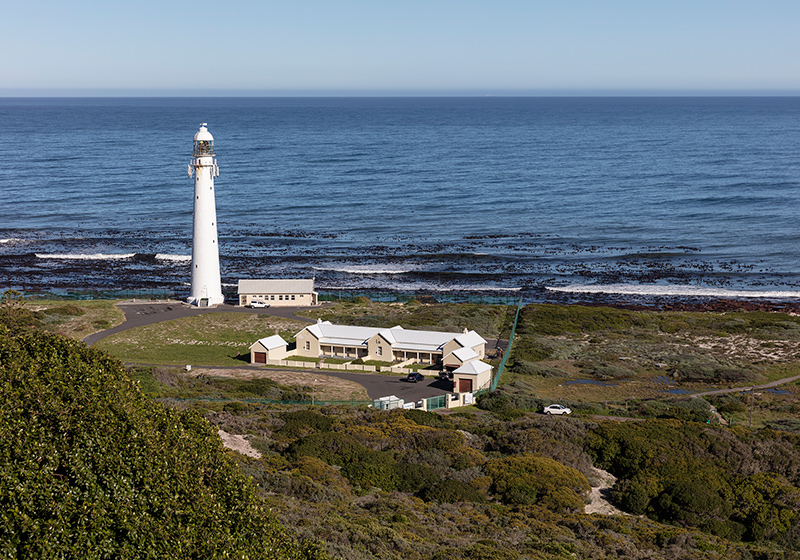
<point>550,199</point>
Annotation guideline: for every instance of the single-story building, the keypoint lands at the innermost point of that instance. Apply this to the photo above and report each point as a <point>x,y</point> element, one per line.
<point>326,340</point>
<point>278,293</point>
<point>269,348</point>
<point>472,376</point>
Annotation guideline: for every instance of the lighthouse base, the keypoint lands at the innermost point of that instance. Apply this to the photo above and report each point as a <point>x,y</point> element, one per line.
<point>205,301</point>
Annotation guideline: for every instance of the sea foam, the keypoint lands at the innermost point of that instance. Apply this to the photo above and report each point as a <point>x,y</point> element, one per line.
<point>671,290</point>
<point>364,269</point>
<point>173,258</point>
<point>86,257</point>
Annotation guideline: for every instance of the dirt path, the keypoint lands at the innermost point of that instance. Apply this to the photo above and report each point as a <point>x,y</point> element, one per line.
<point>240,444</point>
<point>749,388</point>
<point>599,496</point>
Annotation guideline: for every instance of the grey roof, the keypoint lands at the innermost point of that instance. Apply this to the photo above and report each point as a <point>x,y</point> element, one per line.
<point>464,354</point>
<point>398,337</point>
<point>270,342</point>
<point>470,338</point>
<point>282,286</point>
<point>475,367</point>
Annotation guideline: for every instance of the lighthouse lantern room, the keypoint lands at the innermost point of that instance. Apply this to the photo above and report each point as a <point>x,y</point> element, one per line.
<point>206,284</point>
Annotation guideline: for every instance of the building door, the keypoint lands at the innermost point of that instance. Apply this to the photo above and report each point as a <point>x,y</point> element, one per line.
<point>260,357</point>
<point>464,385</point>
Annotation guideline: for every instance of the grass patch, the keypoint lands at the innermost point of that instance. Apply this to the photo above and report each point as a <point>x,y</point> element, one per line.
<point>490,321</point>
<point>76,319</point>
<point>219,339</point>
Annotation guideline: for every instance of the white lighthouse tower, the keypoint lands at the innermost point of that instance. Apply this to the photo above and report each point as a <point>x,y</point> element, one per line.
<point>206,283</point>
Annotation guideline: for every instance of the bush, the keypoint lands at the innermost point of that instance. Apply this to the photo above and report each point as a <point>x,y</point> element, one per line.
<point>302,422</point>
<point>532,479</point>
<point>451,491</point>
<point>91,468</point>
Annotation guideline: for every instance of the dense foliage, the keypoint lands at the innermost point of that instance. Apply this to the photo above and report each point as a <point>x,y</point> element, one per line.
<point>605,343</point>
<point>412,484</point>
<point>730,482</point>
<point>90,468</point>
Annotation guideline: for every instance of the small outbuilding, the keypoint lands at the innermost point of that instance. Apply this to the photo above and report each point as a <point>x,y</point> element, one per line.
<point>269,348</point>
<point>278,293</point>
<point>472,376</point>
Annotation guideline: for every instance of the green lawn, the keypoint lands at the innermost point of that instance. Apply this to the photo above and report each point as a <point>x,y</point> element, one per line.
<point>209,339</point>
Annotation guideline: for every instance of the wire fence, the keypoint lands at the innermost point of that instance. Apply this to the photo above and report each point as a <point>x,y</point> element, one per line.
<point>250,400</point>
<point>390,297</point>
<point>502,365</point>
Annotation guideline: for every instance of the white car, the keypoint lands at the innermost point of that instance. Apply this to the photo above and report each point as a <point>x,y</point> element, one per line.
<point>258,304</point>
<point>557,409</point>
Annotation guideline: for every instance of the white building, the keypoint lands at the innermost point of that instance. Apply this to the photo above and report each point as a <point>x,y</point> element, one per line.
<point>278,293</point>
<point>268,348</point>
<point>396,344</point>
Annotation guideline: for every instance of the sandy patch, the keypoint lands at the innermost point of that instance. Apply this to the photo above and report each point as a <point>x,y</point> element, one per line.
<point>238,444</point>
<point>599,503</point>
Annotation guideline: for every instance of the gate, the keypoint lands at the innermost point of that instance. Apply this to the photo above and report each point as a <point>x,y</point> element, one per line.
<point>435,403</point>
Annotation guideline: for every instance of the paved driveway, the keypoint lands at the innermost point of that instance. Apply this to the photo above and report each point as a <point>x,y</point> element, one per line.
<point>378,386</point>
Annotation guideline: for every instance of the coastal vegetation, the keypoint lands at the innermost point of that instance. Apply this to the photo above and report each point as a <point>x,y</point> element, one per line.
<point>91,468</point>
<point>495,481</point>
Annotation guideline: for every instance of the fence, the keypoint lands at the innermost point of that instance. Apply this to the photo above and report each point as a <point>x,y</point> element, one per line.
<point>389,297</point>
<point>248,400</point>
<point>338,367</point>
<point>435,403</point>
<point>502,365</point>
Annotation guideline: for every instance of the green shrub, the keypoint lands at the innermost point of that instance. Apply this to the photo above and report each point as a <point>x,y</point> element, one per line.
<point>91,468</point>
<point>301,422</point>
<point>451,491</point>
<point>424,418</point>
<point>532,479</point>
<point>69,310</point>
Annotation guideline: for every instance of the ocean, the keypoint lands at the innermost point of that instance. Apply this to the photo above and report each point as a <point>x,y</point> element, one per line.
<point>548,199</point>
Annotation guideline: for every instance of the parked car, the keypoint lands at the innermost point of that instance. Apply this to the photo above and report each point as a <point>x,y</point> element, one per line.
<point>415,376</point>
<point>258,304</point>
<point>557,409</point>
<point>445,375</point>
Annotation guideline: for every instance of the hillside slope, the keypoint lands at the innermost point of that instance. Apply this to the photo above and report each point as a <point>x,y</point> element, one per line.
<point>90,468</point>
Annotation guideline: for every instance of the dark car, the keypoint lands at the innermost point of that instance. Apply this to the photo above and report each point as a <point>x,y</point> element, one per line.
<point>415,376</point>
<point>445,375</point>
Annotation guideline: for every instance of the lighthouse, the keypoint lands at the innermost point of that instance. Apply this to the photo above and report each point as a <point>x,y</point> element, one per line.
<point>206,283</point>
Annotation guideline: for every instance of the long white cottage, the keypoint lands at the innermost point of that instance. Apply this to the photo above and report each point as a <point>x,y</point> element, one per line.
<point>396,344</point>
<point>278,293</point>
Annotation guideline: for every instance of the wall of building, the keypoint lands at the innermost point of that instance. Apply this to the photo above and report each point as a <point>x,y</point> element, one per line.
<point>307,345</point>
<point>278,300</point>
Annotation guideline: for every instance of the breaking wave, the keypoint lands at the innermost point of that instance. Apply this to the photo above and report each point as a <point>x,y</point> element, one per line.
<point>382,269</point>
<point>86,257</point>
<point>677,291</point>
<point>173,258</point>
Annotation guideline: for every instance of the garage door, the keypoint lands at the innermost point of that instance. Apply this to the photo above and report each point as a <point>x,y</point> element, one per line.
<point>465,385</point>
<point>260,357</point>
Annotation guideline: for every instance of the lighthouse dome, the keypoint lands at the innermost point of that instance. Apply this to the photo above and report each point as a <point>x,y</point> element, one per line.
<point>203,134</point>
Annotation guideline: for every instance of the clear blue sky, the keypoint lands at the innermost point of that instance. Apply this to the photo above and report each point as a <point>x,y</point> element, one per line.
<point>317,47</point>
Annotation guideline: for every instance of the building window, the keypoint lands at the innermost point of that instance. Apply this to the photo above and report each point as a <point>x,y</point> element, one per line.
<point>272,297</point>
<point>292,297</point>
<point>280,298</point>
<point>380,350</point>
<point>308,345</point>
